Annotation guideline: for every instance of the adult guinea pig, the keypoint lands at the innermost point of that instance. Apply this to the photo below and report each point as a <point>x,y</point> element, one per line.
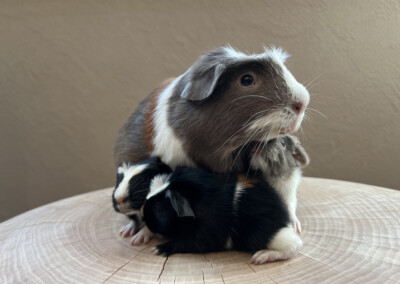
<point>204,117</point>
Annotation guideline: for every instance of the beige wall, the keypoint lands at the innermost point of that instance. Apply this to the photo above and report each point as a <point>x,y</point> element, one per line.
<point>72,71</point>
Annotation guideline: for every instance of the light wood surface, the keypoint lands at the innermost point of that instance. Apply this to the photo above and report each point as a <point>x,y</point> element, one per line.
<point>351,233</point>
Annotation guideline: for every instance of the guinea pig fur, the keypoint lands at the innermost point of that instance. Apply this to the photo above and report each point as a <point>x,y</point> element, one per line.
<point>281,161</point>
<point>204,117</point>
<point>209,212</point>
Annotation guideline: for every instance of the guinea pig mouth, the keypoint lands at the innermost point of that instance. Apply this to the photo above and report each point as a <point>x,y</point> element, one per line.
<point>124,208</point>
<point>293,127</point>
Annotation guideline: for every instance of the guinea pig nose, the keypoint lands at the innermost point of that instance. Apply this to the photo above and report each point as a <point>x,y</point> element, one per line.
<point>120,199</point>
<point>297,107</point>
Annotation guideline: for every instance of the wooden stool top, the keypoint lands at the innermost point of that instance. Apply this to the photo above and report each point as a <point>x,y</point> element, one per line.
<point>351,233</point>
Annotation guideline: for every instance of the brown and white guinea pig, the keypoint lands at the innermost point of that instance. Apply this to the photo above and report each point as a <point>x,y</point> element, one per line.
<point>204,117</point>
<point>282,160</point>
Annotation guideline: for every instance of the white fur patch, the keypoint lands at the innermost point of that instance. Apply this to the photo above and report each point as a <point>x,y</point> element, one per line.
<point>286,240</point>
<point>236,195</point>
<point>287,187</point>
<point>298,91</point>
<point>129,171</point>
<point>166,144</point>
<point>158,184</point>
<point>282,246</point>
<point>276,54</point>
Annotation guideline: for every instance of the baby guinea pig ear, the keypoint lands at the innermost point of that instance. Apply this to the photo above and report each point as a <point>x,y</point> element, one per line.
<point>301,155</point>
<point>180,204</point>
<point>200,80</point>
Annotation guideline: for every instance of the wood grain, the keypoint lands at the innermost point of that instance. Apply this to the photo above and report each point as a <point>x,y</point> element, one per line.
<point>351,233</point>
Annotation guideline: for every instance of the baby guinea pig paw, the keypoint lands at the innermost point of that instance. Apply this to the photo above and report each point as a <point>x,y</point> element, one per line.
<point>165,249</point>
<point>154,250</point>
<point>296,224</point>
<point>264,256</point>
<point>128,230</point>
<point>142,237</point>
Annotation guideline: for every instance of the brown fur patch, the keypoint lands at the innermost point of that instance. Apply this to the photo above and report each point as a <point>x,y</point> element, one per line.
<point>246,182</point>
<point>148,126</point>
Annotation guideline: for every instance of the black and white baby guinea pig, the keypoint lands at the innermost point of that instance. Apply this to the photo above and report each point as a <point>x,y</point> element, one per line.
<point>129,195</point>
<point>210,212</point>
<point>281,161</point>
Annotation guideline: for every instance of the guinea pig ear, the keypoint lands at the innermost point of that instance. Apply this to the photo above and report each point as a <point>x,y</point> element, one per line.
<point>201,81</point>
<point>301,156</point>
<point>180,204</point>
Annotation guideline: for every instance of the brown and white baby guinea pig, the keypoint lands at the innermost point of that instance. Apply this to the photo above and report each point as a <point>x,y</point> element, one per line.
<point>281,160</point>
<point>204,117</point>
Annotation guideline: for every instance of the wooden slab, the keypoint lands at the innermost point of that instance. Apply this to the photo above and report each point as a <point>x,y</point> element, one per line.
<point>351,233</point>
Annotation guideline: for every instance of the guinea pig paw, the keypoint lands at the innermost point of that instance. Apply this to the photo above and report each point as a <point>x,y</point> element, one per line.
<point>296,225</point>
<point>154,250</point>
<point>142,237</point>
<point>264,256</point>
<point>128,230</point>
<point>165,249</point>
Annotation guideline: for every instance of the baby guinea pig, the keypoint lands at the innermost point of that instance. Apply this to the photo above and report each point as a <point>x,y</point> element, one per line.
<point>129,195</point>
<point>282,160</point>
<point>215,212</point>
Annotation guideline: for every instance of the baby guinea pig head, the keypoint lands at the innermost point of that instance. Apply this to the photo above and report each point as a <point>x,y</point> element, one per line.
<point>133,184</point>
<point>165,206</point>
<point>279,157</point>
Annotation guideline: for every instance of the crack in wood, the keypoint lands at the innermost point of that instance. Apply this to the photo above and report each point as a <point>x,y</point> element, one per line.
<point>251,268</point>
<point>222,278</point>
<point>129,260</point>
<point>162,269</point>
<point>209,261</point>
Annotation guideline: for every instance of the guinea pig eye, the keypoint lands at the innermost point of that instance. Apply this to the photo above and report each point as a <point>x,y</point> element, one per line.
<point>247,80</point>
<point>283,143</point>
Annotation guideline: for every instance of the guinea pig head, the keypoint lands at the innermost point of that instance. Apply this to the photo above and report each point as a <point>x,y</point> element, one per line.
<point>165,207</point>
<point>229,98</point>
<point>279,157</point>
<point>133,185</point>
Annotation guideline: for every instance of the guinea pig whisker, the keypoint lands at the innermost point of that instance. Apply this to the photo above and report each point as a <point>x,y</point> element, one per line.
<point>307,85</point>
<point>241,148</point>
<point>263,145</point>
<point>247,123</point>
<point>255,96</point>
<point>320,113</point>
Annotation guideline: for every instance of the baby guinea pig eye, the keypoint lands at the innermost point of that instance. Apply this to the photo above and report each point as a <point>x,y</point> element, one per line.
<point>247,80</point>
<point>283,143</point>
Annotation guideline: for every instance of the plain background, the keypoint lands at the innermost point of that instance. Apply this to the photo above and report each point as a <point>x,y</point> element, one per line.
<point>71,72</point>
